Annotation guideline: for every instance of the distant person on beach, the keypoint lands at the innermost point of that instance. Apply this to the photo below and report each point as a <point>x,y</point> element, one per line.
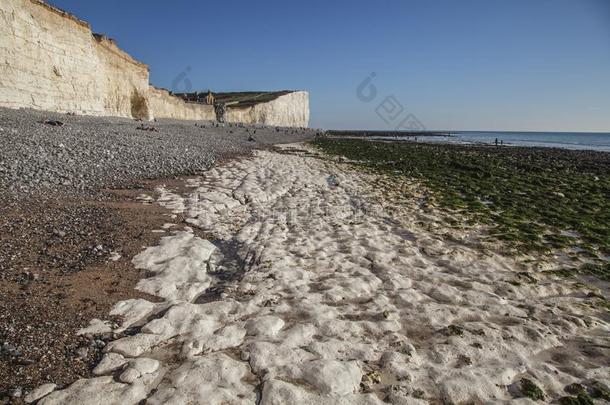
<point>496,141</point>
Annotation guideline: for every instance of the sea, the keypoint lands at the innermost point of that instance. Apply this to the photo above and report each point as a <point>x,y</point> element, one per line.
<point>567,140</point>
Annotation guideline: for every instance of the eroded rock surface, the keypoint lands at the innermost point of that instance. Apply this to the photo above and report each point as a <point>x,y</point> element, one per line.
<point>314,288</point>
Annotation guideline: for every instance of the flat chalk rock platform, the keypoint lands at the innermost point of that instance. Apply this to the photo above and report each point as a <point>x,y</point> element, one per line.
<point>312,287</point>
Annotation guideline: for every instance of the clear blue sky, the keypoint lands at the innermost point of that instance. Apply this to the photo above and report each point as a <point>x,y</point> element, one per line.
<point>471,64</point>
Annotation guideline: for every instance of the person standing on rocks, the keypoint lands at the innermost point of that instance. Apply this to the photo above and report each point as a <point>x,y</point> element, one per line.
<point>220,109</point>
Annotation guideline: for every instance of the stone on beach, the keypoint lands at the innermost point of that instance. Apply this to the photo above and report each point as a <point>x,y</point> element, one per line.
<point>39,392</point>
<point>109,363</point>
<point>264,326</point>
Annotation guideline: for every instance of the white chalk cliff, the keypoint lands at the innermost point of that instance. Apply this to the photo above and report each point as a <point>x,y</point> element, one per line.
<point>50,60</point>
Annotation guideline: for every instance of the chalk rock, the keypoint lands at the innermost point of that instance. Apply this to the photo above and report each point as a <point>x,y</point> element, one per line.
<point>264,326</point>
<point>131,310</point>
<point>137,368</point>
<point>130,375</point>
<point>110,362</point>
<point>145,365</point>
<point>396,364</point>
<point>333,377</point>
<point>224,338</point>
<point>134,346</point>
<point>277,392</point>
<point>266,355</point>
<point>179,263</point>
<point>97,391</point>
<point>96,327</point>
<point>212,379</point>
<point>39,392</point>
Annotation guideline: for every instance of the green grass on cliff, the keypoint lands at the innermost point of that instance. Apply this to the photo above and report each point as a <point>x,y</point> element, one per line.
<point>535,199</point>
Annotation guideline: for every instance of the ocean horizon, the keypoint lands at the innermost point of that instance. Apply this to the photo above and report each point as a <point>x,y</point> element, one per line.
<point>599,141</point>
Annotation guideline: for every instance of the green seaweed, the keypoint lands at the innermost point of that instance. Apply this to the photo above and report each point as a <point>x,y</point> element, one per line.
<point>600,391</point>
<point>579,395</point>
<point>575,389</point>
<point>531,390</point>
<point>581,399</point>
<point>455,330</point>
<point>533,199</point>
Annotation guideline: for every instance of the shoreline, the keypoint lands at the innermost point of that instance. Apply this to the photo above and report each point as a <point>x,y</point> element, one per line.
<point>418,140</point>
<point>456,139</point>
<point>422,139</point>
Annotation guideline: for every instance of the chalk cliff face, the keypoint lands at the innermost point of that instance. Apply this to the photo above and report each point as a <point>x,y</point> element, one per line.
<point>50,60</point>
<point>166,105</point>
<point>290,110</point>
<point>123,81</point>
